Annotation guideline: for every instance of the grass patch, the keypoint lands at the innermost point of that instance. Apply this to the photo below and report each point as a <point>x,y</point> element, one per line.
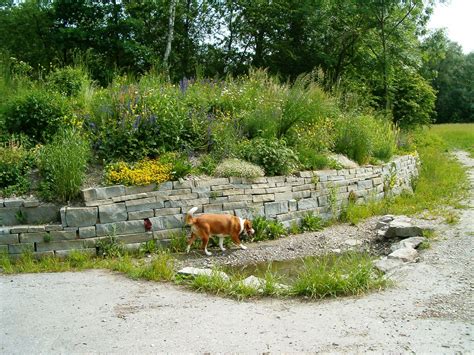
<point>334,275</point>
<point>456,135</point>
<point>326,276</point>
<point>442,182</point>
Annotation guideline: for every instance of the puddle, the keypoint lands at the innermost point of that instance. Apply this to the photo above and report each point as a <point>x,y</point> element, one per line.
<point>286,269</point>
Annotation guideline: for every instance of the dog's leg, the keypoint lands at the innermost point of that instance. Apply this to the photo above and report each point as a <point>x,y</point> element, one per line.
<point>190,241</point>
<point>205,241</point>
<point>221,243</point>
<point>236,240</point>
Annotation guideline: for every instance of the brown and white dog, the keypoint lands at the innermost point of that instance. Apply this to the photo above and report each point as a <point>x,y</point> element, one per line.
<point>206,226</point>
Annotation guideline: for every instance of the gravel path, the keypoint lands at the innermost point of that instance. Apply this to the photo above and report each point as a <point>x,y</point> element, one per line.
<point>429,309</point>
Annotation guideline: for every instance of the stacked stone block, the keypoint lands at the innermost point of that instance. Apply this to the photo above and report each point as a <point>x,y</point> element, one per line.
<point>120,211</point>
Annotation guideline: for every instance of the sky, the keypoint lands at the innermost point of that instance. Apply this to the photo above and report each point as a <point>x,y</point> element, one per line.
<point>457,17</point>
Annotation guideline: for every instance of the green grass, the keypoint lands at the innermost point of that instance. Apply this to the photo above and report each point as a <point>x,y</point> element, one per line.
<point>442,183</point>
<point>326,276</point>
<point>456,135</point>
<point>338,275</point>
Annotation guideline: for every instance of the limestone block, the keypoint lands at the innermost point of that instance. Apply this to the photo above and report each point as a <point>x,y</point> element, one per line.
<point>21,248</point>
<point>133,190</point>
<point>284,196</point>
<point>228,206</point>
<point>118,228</point>
<point>140,214</point>
<point>53,227</point>
<point>365,184</point>
<point>167,222</point>
<point>31,203</point>
<point>213,207</point>
<point>183,184</point>
<point>104,193</point>
<point>9,239</point>
<point>114,212</point>
<point>167,211</point>
<point>19,229</point>
<point>186,203</point>
<point>35,229</point>
<point>135,238</point>
<point>33,237</point>
<point>87,232</point>
<point>64,235</point>
<point>307,204</point>
<point>274,208</point>
<point>238,198</point>
<point>4,230</point>
<point>263,198</point>
<point>149,203</point>
<point>81,216</point>
<point>13,203</point>
<point>65,245</point>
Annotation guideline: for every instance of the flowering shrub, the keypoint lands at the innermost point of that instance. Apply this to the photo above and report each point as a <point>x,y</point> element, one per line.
<point>144,172</point>
<point>238,168</point>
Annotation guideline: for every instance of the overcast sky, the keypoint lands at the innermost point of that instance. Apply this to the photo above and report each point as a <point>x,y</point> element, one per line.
<point>457,16</point>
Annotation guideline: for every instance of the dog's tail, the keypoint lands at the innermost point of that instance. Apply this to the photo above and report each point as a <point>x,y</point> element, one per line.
<point>189,216</point>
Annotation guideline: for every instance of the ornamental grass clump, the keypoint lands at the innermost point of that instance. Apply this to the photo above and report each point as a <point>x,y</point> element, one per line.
<point>145,172</point>
<point>238,168</point>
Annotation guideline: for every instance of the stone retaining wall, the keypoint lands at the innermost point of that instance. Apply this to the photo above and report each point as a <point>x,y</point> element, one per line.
<point>121,210</point>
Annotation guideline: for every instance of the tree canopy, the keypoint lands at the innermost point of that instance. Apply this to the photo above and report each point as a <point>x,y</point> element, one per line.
<point>379,49</point>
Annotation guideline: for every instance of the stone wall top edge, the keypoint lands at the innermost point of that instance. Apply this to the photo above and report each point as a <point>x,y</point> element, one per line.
<point>205,180</point>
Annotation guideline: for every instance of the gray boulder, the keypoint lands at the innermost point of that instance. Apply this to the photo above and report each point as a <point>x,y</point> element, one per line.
<point>386,265</point>
<point>412,242</point>
<point>404,254</point>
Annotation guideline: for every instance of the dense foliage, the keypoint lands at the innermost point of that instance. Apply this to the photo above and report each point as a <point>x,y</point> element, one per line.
<point>369,47</point>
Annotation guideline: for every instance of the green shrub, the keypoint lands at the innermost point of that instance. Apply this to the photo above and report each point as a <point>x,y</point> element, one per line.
<point>38,114</point>
<point>271,154</point>
<point>311,223</point>
<point>207,164</point>
<point>63,164</point>
<point>67,81</point>
<point>267,229</point>
<point>311,160</point>
<point>179,162</point>
<point>110,247</point>
<point>238,168</point>
<point>15,162</point>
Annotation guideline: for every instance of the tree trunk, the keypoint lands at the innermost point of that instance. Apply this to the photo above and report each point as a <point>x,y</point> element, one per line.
<point>171,19</point>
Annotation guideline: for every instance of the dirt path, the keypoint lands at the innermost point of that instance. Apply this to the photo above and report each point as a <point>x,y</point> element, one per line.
<point>430,309</point>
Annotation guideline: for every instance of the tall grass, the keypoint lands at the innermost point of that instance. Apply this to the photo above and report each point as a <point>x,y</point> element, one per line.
<point>63,165</point>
